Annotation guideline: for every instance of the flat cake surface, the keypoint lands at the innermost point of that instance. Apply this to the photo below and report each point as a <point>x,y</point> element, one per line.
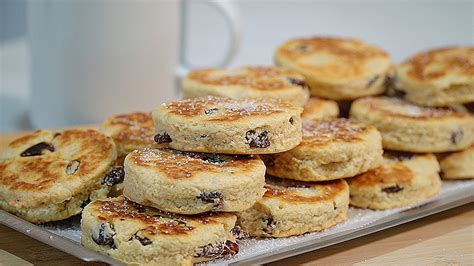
<point>136,234</point>
<point>332,58</point>
<point>46,167</point>
<point>331,148</point>
<point>399,108</point>
<point>402,179</point>
<point>410,128</point>
<point>247,82</point>
<point>130,131</point>
<point>225,110</point>
<point>230,126</point>
<point>316,108</point>
<point>153,221</point>
<point>173,164</point>
<point>437,77</point>
<point>296,192</point>
<point>190,183</point>
<point>319,132</point>
<point>252,78</point>
<point>457,165</point>
<point>440,67</point>
<point>291,208</point>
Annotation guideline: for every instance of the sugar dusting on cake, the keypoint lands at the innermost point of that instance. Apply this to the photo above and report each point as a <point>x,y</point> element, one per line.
<point>213,108</point>
<point>331,129</point>
<point>180,164</point>
<point>401,107</point>
<point>258,77</point>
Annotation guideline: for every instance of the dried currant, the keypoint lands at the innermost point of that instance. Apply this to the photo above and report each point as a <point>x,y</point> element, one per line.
<point>392,189</point>
<point>389,81</point>
<point>37,149</point>
<point>161,138</point>
<point>211,111</point>
<point>115,176</point>
<point>238,232</point>
<point>85,202</point>
<point>145,241</point>
<point>187,154</point>
<point>372,81</point>
<point>457,136</point>
<point>105,236</point>
<point>269,160</point>
<point>214,159</point>
<point>302,48</point>
<point>257,140</point>
<point>220,250</point>
<point>291,120</point>
<point>396,93</point>
<point>299,185</point>
<point>269,225</point>
<point>230,249</point>
<point>216,198</point>
<point>298,82</point>
<point>399,155</point>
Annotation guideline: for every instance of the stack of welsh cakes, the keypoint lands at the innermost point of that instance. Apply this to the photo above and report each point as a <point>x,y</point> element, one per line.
<point>423,119</point>
<point>183,194</point>
<point>256,151</point>
<point>288,206</point>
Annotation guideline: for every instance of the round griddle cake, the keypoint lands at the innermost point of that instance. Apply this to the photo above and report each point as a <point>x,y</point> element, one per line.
<point>46,176</point>
<point>336,68</point>
<point>293,208</point>
<point>136,234</point>
<point>411,128</point>
<point>438,77</point>
<point>316,108</point>
<point>247,82</point>
<point>401,180</point>
<point>190,183</point>
<point>331,148</point>
<point>130,131</point>
<point>457,165</point>
<point>224,125</point>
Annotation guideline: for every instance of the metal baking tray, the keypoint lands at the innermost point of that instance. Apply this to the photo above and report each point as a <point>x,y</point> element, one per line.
<point>65,235</point>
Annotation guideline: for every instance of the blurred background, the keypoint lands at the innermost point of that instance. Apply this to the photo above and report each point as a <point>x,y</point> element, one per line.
<point>28,100</point>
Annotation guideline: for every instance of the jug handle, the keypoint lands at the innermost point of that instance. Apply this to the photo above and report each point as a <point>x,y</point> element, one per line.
<point>229,11</point>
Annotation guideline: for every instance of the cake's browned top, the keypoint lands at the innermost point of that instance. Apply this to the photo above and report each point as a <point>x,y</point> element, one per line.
<point>333,57</point>
<point>183,165</point>
<point>50,163</point>
<point>225,109</point>
<point>130,131</point>
<point>318,132</point>
<point>318,108</point>
<point>257,78</point>
<point>400,108</point>
<point>439,63</point>
<point>295,192</point>
<point>151,220</point>
<point>393,173</point>
<point>396,169</point>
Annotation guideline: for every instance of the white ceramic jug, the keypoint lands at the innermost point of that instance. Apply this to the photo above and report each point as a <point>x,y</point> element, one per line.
<point>94,58</point>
